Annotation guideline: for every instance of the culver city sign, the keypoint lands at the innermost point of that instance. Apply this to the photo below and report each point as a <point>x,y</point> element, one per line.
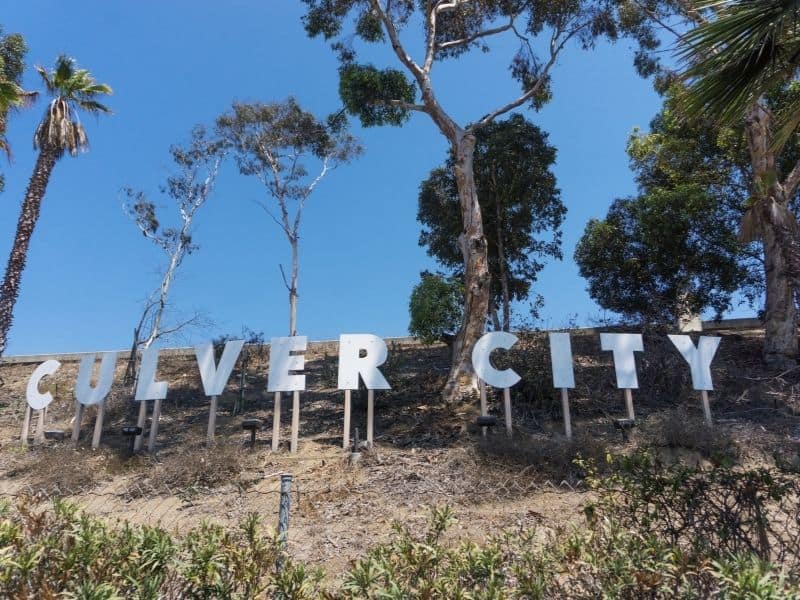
<point>360,357</point>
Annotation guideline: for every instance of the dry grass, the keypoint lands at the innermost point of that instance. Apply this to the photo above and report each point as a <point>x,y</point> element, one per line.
<point>675,429</point>
<point>58,470</point>
<point>203,467</point>
<point>552,457</point>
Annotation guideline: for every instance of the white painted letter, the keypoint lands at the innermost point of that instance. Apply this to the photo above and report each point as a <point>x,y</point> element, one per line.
<point>215,377</point>
<point>281,361</point>
<point>352,364</point>
<point>147,388</point>
<point>699,358</point>
<point>483,366</point>
<point>561,360</point>
<point>37,400</point>
<point>624,345</point>
<point>84,392</point>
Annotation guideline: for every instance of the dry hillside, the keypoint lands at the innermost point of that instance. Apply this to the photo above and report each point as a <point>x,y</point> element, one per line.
<point>425,453</point>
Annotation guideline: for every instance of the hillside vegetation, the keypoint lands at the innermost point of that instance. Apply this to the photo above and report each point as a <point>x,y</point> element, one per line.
<point>426,455</point>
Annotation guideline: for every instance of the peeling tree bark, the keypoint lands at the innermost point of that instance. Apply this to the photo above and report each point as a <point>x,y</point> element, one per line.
<point>477,279</point>
<point>477,289</point>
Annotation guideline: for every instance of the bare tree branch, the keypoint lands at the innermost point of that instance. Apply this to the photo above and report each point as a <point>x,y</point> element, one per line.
<point>653,15</point>
<point>285,280</point>
<point>189,197</point>
<point>263,206</point>
<point>555,49</point>
<point>480,34</point>
<point>394,38</point>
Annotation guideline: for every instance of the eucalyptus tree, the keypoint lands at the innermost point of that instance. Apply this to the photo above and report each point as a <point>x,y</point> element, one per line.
<point>718,48</point>
<point>450,29</point>
<point>740,53</point>
<point>59,132</point>
<point>290,151</point>
<point>672,250</point>
<point>196,165</point>
<point>521,208</point>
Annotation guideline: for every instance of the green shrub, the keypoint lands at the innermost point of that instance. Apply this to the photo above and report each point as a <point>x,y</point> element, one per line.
<point>61,552</point>
<point>711,512</point>
<point>654,531</point>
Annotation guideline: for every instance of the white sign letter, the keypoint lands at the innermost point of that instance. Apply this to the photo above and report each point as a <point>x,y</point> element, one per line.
<point>699,358</point>
<point>84,392</point>
<point>37,400</point>
<point>147,388</point>
<point>352,364</point>
<point>624,345</point>
<point>561,360</point>
<point>281,361</point>
<point>483,366</point>
<point>215,377</point>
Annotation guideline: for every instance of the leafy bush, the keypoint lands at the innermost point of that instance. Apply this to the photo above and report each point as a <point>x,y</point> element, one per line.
<point>61,552</point>
<point>654,531</point>
<point>435,308</point>
<point>704,511</point>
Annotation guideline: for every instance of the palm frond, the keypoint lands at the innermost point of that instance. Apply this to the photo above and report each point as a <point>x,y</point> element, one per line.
<point>96,89</point>
<point>788,122</point>
<point>46,79</point>
<point>72,89</point>
<point>64,71</point>
<point>733,59</point>
<point>93,106</point>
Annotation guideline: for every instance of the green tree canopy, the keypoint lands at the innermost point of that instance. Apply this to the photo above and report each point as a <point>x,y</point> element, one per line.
<point>435,308</point>
<point>12,57</point>
<point>522,209</point>
<point>674,247</point>
<point>658,255</point>
<point>745,49</point>
<point>423,34</point>
<point>290,151</point>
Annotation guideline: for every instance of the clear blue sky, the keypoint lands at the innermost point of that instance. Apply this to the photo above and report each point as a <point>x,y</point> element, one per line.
<point>177,63</point>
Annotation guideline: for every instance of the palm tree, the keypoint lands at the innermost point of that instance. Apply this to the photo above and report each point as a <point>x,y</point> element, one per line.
<point>747,49</point>
<point>12,96</point>
<point>58,132</point>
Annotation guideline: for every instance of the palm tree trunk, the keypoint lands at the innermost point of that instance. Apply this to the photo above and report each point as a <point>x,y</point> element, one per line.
<point>19,252</point>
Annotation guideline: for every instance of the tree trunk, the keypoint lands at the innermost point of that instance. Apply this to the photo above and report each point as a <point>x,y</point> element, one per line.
<point>496,325</point>
<point>780,338</point>
<point>166,282</point>
<point>293,290</point>
<point>19,251</point>
<point>501,261</point>
<point>476,272</point>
